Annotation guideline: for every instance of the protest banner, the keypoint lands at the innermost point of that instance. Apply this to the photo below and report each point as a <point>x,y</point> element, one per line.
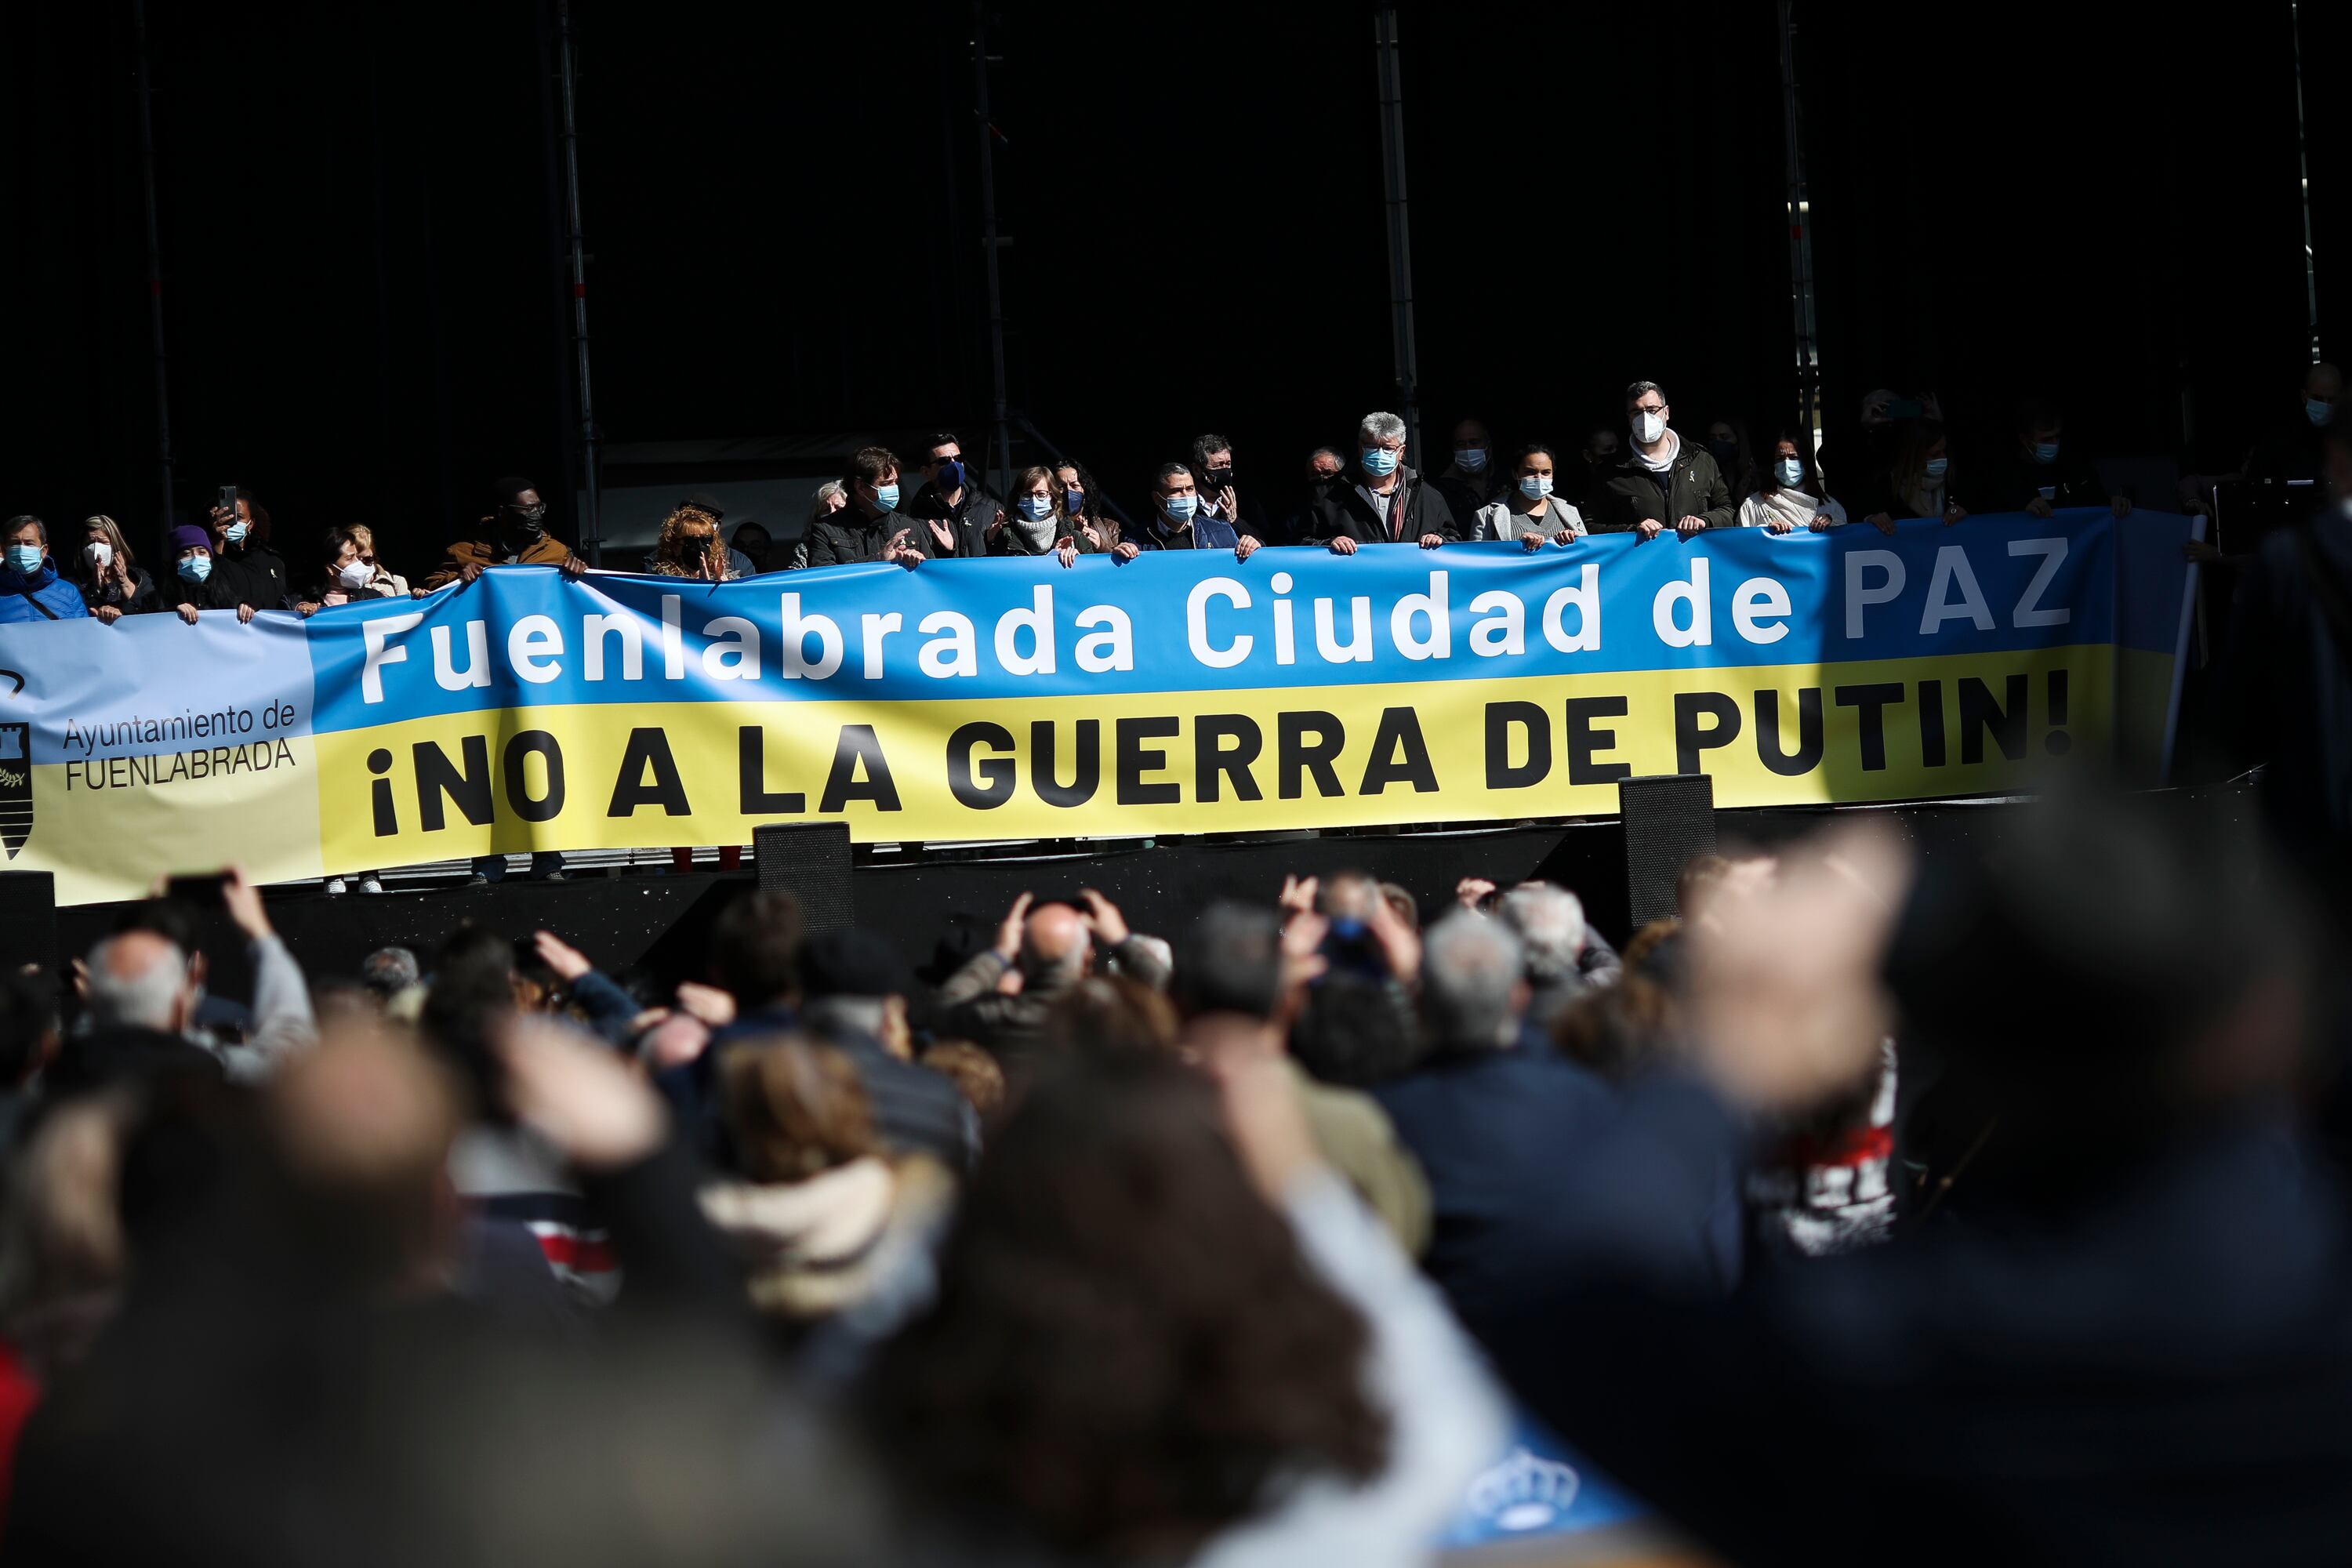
<point>1182,692</point>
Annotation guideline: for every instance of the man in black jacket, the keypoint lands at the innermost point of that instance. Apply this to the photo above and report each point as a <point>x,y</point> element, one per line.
<point>2038,471</point>
<point>869,527</point>
<point>1663,480</point>
<point>1380,500</point>
<point>955,514</point>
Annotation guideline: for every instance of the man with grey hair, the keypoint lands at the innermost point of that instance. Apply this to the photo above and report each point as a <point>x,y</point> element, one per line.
<point>1379,500</point>
<point>142,1003</point>
<point>249,1043</point>
<point>1550,923</point>
<point>1486,1116</point>
<point>1662,482</point>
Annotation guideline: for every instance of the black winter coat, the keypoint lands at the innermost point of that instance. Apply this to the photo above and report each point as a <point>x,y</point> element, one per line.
<point>1695,487</point>
<point>1417,508</point>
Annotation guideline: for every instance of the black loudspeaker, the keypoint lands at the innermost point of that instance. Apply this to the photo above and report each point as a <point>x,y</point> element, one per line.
<point>28,920</point>
<point>1669,819</point>
<point>810,860</point>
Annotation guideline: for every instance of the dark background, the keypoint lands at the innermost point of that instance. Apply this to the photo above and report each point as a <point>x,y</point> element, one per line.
<point>368,302</point>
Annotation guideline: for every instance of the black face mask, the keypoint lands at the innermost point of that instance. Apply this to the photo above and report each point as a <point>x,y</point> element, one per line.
<point>1220,478</point>
<point>1601,460</point>
<point>1724,451</point>
<point>529,522</point>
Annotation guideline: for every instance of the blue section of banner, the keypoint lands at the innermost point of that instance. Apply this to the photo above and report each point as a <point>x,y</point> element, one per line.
<point>1199,620</point>
<point>153,683</point>
<point>1536,1488</point>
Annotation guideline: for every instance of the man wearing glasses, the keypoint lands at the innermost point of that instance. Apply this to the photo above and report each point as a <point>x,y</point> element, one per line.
<point>1661,482</point>
<point>1379,500</point>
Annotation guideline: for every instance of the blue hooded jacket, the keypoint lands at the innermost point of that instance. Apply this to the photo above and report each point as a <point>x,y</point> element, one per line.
<point>62,598</point>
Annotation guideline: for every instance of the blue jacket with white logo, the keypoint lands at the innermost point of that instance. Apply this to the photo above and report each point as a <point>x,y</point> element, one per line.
<point>23,598</point>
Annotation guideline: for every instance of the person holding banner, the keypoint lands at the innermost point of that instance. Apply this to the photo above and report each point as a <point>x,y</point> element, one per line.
<point>2040,472</point>
<point>201,583</point>
<point>1661,477</point>
<point>1528,513</point>
<point>868,528</point>
<point>349,574</point>
<point>1380,500</point>
<point>1092,530</point>
<point>1182,525</point>
<point>514,535</point>
<point>1790,494</point>
<point>1038,526</point>
<point>31,586</point>
<point>1920,482</point>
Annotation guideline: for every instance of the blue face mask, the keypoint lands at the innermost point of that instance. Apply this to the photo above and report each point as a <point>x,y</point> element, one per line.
<point>950,476</point>
<point>1074,502</point>
<point>1473,460</point>
<point>25,558</point>
<point>1793,472</point>
<point>1180,508</point>
<point>1534,487</point>
<point>1378,461</point>
<point>886,497</point>
<point>1935,466</point>
<point>1036,508</point>
<point>2318,413</point>
<point>236,531</point>
<point>197,568</point>
<point>2046,451</point>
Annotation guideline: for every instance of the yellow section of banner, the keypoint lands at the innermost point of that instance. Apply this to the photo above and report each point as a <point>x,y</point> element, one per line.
<point>1198,762</point>
<point>109,827</point>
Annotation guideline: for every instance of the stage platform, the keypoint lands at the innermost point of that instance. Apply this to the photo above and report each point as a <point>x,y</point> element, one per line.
<point>627,918</point>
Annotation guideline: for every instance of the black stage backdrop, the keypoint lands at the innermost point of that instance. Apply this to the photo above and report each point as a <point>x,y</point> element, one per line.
<point>368,301</point>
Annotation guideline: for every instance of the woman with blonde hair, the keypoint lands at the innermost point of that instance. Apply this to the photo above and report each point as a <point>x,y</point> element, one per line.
<point>112,582</point>
<point>689,546</point>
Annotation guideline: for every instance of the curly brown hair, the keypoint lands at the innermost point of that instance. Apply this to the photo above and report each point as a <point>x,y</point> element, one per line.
<point>1129,1352</point>
<point>677,555</point>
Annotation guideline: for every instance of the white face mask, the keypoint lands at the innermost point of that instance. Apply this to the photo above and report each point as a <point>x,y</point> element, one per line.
<point>1648,427</point>
<point>1534,487</point>
<point>100,554</point>
<point>356,575</point>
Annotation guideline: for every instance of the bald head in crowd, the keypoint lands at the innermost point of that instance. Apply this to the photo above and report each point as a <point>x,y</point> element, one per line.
<point>1055,944</point>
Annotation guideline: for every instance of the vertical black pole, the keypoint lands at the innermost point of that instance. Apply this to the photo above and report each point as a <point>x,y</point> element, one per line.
<point>1800,240</point>
<point>1000,432</point>
<point>154,286</point>
<point>1408,360</point>
<point>591,537</point>
<point>2303,172</point>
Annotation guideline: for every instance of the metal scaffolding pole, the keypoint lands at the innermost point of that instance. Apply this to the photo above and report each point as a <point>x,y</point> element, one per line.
<point>154,286</point>
<point>1408,360</point>
<point>1800,240</point>
<point>587,495</point>
<point>2303,172</point>
<point>999,433</point>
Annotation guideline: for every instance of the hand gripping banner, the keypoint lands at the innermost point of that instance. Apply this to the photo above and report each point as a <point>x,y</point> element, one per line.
<point>1181,692</point>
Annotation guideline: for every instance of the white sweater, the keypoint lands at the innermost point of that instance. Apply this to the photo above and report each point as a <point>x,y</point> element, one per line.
<point>1447,1416</point>
<point>1794,508</point>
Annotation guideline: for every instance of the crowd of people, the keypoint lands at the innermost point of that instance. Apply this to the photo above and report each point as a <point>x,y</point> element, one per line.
<point>1895,462</point>
<point>1243,1242</point>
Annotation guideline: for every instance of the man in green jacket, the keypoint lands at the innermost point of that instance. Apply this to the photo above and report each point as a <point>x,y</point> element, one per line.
<point>1661,482</point>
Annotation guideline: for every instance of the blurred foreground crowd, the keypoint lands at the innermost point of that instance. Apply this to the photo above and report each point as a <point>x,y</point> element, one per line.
<point>1992,1206</point>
